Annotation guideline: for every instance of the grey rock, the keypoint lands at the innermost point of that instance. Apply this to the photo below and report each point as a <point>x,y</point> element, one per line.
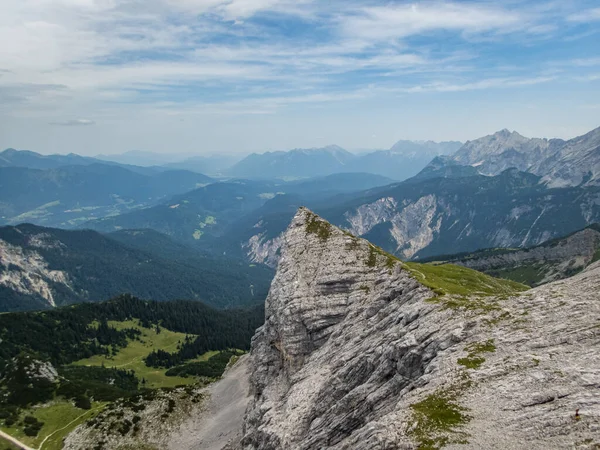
<point>349,345</point>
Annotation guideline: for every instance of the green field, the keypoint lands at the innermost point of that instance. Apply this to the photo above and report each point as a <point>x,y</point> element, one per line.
<point>132,356</point>
<point>6,445</point>
<point>59,418</point>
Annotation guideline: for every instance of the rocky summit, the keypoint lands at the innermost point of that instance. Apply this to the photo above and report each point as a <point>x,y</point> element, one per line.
<point>361,350</point>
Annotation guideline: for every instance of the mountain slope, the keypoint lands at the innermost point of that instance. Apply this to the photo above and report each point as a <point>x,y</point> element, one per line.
<point>553,260</point>
<point>208,212</point>
<point>357,353</point>
<point>69,195</point>
<point>417,219</point>
<point>197,214</point>
<point>45,267</point>
<point>577,162</point>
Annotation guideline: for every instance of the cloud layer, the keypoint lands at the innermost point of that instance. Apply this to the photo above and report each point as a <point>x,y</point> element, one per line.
<point>164,58</point>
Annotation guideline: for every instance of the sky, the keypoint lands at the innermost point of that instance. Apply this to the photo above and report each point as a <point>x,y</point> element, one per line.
<point>237,76</point>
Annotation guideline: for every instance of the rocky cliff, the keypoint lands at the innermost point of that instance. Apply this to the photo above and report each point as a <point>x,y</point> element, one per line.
<point>359,350</point>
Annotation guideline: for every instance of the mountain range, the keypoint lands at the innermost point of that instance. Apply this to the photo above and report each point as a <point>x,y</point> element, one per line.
<point>371,338</point>
<point>403,160</point>
<point>45,267</point>
<point>208,211</point>
<point>559,163</point>
<point>434,216</point>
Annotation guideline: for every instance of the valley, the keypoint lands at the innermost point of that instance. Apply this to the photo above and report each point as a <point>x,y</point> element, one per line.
<point>299,225</point>
<point>48,390</point>
<point>225,314</point>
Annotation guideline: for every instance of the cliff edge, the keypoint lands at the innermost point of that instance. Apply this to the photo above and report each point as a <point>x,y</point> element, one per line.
<point>361,350</point>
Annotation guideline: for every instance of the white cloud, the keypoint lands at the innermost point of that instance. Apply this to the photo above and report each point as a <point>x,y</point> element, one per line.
<point>491,83</point>
<point>588,15</point>
<point>397,21</point>
<point>74,123</point>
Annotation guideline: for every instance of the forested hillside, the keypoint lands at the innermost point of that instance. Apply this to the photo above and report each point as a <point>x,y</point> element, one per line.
<point>46,267</point>
<point>59,368</point>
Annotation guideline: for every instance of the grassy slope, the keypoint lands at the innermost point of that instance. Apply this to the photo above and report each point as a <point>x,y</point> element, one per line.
<point>6,445</point>
<point>448,279</point>
<point>59,418</point>
<point>132,356</point>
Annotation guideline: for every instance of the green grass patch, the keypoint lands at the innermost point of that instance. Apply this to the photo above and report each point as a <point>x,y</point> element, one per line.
<point>59,419</point>
<point>132,356</point>
<point>205,356</point>
<point>374,259</point>
<point>7,445</point>
<point>438,420</point>
<point>596,256</point>
<point>448,279</point>
<point>529,274</point>
<point>318,226</point>
<point>213,367</point>
<point>474,360</point>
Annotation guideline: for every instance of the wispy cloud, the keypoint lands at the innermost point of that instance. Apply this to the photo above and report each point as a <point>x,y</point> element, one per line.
<point>75,123</point>
<point>587,15</point>
<point>71,58</point>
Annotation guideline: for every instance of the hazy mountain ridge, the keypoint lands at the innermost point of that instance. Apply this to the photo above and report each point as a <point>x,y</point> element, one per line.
<point>32,160</point>
<point>69,195</point>
<point>297,163</point>
<point>403,160</point>
<point>45,267</point>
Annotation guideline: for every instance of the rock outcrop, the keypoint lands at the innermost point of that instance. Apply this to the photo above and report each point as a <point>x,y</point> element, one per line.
<point>356,353</point>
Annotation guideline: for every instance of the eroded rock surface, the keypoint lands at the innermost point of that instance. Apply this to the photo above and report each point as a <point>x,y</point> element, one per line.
<point>355,353</point>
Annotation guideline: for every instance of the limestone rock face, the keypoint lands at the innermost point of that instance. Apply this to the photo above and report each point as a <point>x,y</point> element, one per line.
<point>355,353</point>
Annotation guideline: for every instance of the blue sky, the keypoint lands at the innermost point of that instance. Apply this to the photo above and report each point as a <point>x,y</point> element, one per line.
<point>234,76</point>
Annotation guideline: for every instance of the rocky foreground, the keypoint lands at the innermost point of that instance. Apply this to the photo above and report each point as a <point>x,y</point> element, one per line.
<point>356,353</point>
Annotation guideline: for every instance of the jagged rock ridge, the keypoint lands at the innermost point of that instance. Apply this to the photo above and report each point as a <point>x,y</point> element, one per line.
<point>355,353</point>
<point>559,163</point>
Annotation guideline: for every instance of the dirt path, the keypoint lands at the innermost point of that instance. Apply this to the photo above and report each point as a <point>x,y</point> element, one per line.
<point>14,441</point>
<point>91,411</point>
<point>220,421</point>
